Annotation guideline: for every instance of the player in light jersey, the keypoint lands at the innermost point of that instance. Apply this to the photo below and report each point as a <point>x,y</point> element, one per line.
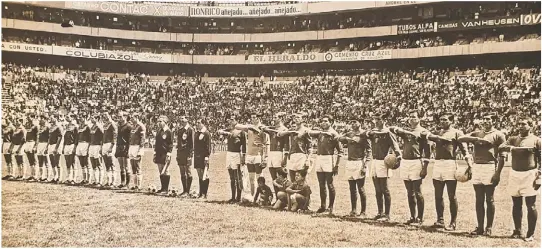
<point>70,145</point>
<point>524,178</point>
<point>109,140</point>
<point>415,159</point>
<point>41,148</point>
<point>7,135</point>
<point>17,142</point>
<point>95,149</point>
<point>300,146</point>
<point>256,157</point>
<point>383,141</point>
<point>53,149</point>
<point>446,150</point>
<point>81,151</point>
<point>359,159</point>
<point>30,145</point>
<point>234,156</point>
<point>485,176</point>
<point>135,151</point>
<point>121,152</point>
<point>329,151</point>
<point>278,147</point>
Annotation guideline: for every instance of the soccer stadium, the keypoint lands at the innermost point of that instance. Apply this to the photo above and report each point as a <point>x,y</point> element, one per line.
<point>271,124</point>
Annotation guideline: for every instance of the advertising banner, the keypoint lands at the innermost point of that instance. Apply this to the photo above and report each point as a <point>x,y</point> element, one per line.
<point>27,48</point>
<point>285,58</point>
<point>530,19</point>
<point>127,8</point>
<point>248,11</point>
<point>417,28</point>
<point>111,55</point>
<point>358,55</point>
<point>508,21</point>
<point>398,3</point>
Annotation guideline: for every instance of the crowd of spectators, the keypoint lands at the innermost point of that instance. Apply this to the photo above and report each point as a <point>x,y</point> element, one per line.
<point>510,92</point>
<point>293,47</point>
<point>409,14</point>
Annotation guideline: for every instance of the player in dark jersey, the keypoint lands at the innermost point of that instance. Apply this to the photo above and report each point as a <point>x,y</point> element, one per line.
<point>109,140</point>
<point>300,146</point>
<point>359,159</point>
<point>234,156</point>
<point>415,159</point>
<point>202,152</point>
<point>30,145</point>
<point>382,142</point>
<point>121,153</point>
<point>185,154</point>
<point>278,147</point>
<point>41,148</point>
<point>55,137</point>
<point>81,151</point>
<point>7,135</point>
<point>446,150</point>
<point>524,179</point>
<point>95,149</point>
<point>70,144</point>
<point>162,152</point>
<point>329,151</point>
<point>485,176</point>
<point>135,151</point>
<point>17,143</point>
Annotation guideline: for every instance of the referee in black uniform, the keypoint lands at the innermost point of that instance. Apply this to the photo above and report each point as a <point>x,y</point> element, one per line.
<point>162,152</point>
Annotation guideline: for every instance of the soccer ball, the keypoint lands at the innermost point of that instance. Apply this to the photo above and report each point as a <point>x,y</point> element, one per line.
<point>463,174</point>
<point>152,189</point>
<point>391,161</point>
<point>173,193</point>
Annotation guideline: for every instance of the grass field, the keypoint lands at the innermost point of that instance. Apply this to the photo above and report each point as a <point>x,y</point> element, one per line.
<point>46,215</point>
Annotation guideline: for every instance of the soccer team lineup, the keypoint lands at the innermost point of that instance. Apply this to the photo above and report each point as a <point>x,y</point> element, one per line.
<point>114,142</point>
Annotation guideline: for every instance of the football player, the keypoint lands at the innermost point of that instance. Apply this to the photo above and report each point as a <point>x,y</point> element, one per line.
<point>447,148</point>
<point>329,151</point>
<point>95,149</point>
<point>359,159</point>
<point>55,137</point>
<point>185,153</point>
<point>18,140</point>
<point>300,146</point>
<point>415,159</point>
<point>278,146</point>
<point>30,145</point>
<point>162,152</point>
<point>41,147</point>
<point>135,151</point>
<point>202,152</point>
<point>522,181</point>
<point>7,135</point>
<point>109,140</point>
<point>485,176</point>
<point>70,145</point>
<point>82,149</point>
<point>234,156</point>
<point>121,152</point>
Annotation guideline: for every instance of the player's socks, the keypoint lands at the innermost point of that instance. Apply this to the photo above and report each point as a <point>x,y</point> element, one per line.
<point>166,182</point>
<point>188,184</point>
<point>183,183</point>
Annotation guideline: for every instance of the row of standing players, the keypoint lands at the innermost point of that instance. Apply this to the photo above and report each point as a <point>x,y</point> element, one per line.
<point>253,147</point>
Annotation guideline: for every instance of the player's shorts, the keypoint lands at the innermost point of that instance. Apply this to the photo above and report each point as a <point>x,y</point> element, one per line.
<point>324,163</point>
<point>106,147</point>
<point>82,149</point>
<point>274,159</point>
<point>353,170</point>
<point>444,170</point>
<point>15,147</point>
<point>199,162</point>
<point>160,158</point>
<point>379,169</point>
<point>251,159</point>
<point>133,152</point>
<point>482,173</point>
<point>520,183</point>
<point>410,170</point>
<point>68,149</point>
<point>5,148</point>
<point>41,149</point>
<point>29,146</point>
<point>297,161</point>
<point>51,149</point>
<point>94,151</point>
<point>233,160</point>
<point>121,151</point>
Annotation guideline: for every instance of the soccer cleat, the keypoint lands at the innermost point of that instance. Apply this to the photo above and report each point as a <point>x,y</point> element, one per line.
<point>438,224</point>
<point>231,201</point>
<point>516,234</point>
<point>410,221</point>
<point>378,216</point>
<point>18,178</point>
<point>362,215</point>
<point>11,178</point>
<point>352,214</point>
<point>321,210</point>
<point>477,231</point>
<point>488,232</point>
<point>529,239</point>
<point>5,177</point>
<point>384,218</point>
<point>419,222</point>
<point>450,227</point>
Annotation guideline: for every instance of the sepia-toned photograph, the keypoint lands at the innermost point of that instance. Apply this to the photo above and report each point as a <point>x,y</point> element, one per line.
<point>271,124</point>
